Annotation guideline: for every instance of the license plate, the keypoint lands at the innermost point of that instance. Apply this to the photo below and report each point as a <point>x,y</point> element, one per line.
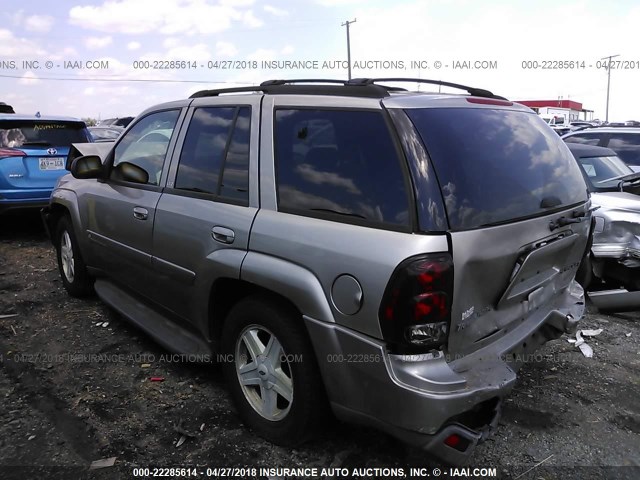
<point>51,163</point>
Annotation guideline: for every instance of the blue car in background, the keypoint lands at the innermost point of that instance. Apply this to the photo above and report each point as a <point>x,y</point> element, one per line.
<point>33,152</point>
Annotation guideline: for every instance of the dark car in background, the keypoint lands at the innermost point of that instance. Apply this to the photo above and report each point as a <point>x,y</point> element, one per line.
<point>615,189</point>
<point>5,108</point>
<point>33,151</point>
<point>105,134</point>
<point>625,141</point>
<point>116,122</point>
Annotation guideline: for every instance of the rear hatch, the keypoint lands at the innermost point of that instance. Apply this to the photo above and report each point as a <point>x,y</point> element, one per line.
<point>33,152</point>
<point>516,204</point>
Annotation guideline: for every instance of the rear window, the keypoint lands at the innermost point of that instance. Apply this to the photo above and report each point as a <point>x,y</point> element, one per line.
<point>600,171</point>
<point>497,166</point>
<point>584,138</point>
<point>31,133</point>
<point>627,146</point>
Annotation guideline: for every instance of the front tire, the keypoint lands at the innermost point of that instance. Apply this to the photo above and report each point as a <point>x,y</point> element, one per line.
<point>272,372</point>
<point>73,271</point>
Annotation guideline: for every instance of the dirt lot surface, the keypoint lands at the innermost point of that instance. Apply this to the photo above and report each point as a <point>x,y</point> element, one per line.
<point>75,383</point>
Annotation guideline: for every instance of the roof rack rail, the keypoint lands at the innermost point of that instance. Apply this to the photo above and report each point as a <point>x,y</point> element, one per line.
<point>268,83</point>
<point>476,92</point>
<point>306,87</point>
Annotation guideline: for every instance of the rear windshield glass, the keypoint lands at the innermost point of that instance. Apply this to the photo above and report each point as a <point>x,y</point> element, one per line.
<point>602,172</point>
<point>496,166</point>
<point>31,133</point>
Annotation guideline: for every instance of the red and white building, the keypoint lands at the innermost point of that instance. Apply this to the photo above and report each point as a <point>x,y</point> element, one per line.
<point>571,108</point>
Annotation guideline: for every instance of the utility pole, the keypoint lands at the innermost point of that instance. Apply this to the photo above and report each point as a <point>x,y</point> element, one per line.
<point>346,24</point>
<point>608,81</point>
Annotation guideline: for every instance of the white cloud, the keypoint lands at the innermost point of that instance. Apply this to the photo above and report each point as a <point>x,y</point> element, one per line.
<point>275,11</point>
<point>133,46</point>
<point>109,91</point>
<point>29,78</point>
<point>39,23</point>
<point>169,17</point>
<point>12,46</point>
<point>287,50</point>
<point>67,53</point>
<point>250,20</point>
<point>198,52</point>
<point>95,43</point>
<point>262,54</point>
<point>236,3</point>
<point>226,49</point>
<point>171,42</point>
<point>337,3</point>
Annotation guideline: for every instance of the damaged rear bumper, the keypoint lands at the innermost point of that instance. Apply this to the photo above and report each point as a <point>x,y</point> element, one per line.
<point>442,404</point>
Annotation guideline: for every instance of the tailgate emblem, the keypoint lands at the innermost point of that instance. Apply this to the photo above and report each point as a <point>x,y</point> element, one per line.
<point>52,151</point>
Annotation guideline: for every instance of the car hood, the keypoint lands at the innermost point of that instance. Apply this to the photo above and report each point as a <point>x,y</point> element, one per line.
<point>623,201</point>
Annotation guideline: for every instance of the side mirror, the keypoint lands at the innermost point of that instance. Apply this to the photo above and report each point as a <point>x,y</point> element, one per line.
<point>88,166</point>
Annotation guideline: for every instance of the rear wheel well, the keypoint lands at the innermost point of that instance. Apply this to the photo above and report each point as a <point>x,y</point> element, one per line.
<point>227,292</point>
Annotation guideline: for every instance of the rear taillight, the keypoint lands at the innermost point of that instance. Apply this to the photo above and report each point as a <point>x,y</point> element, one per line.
<point>415,312</point>
<point>11,152</point>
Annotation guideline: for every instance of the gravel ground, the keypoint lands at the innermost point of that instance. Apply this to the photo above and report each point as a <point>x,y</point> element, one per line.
<point>75,383</point>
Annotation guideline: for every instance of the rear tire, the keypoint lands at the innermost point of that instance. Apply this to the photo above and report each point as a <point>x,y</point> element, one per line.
<point>73,271</point>
<point>272,372</point>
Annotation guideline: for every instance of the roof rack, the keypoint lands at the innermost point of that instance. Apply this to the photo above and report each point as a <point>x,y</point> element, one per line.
<point>476,92</point>
<point>358,87</point>
<point>306,86</point>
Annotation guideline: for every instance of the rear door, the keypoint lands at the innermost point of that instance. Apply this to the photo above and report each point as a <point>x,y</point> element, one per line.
<point>205,214</point>
<point>506,179</point>
<point>119,214</point>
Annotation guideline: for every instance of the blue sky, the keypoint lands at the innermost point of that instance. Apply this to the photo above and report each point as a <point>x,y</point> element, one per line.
<point>241,34</point>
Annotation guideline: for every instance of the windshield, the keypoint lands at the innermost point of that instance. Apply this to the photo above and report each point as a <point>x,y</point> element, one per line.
<point>35,133</point>
<point>497,166</point>
<point>600,169</point>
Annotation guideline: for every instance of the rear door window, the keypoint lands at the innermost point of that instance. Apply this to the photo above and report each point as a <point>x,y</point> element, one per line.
<point>497,166</point>
<point>627,146</point>
<point>341,165</point>
<point>30,133</point>
<point>585,138</point>
<point>215,156</point>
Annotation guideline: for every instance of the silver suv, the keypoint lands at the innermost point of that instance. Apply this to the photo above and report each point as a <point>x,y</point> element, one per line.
<point>392,255</point>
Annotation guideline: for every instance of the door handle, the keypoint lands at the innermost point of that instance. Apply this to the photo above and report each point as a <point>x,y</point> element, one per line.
<point>223,235</point>
<point>140,213</point>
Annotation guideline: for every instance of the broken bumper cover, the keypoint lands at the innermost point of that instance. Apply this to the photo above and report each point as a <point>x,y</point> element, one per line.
<point>428,400</point>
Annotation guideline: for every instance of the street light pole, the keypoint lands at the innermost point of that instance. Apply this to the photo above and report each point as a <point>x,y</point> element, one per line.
<point>608,82</point>
<point>347,23</point>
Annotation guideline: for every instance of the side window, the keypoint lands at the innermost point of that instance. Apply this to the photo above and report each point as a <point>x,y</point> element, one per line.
<point>145,145</point>
<point>585,139</point>
<point>341,165</point>
<point>627,146</point>
<point>215,156</point>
